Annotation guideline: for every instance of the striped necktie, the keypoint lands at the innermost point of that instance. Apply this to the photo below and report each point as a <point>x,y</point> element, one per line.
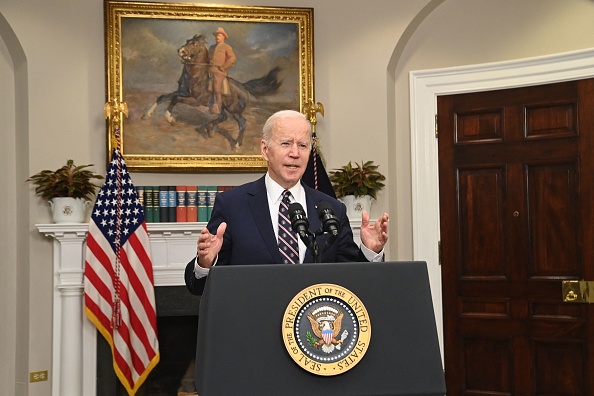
<point>287,238</point>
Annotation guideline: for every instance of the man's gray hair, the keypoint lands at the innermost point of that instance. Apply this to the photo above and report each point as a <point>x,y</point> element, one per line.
<point>268,127</point>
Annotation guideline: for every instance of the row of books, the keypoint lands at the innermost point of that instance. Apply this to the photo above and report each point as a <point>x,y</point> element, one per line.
<point>172,204</point>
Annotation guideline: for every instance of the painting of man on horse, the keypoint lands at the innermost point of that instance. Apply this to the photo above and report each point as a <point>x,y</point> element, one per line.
<point>210,112</point>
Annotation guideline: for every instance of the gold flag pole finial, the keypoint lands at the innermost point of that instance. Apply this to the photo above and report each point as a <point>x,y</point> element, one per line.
<point>113,110</point>
<point>311,109</point>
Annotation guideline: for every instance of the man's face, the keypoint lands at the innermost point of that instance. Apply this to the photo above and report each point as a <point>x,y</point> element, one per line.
<point>287,153</point>
<point>219,37</point>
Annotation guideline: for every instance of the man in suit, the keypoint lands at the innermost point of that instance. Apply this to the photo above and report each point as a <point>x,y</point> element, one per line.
<point>244,226</point>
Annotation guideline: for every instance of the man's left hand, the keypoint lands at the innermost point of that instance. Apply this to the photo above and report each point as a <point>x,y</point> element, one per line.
<point>374,236</point>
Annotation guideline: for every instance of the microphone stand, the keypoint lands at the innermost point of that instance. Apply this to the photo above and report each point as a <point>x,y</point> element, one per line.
<point>309,239</point>
<point>331,239</point>
<point>300,225</point>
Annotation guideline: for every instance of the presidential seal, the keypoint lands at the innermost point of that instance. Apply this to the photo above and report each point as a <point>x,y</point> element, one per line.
<point>326,329</point>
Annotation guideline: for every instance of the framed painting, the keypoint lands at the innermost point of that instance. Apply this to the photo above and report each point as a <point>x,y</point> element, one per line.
<point>199,81</point>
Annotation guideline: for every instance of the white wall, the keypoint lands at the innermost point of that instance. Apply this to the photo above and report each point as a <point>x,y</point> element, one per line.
<point>7,209</point>
<point>361,74</point>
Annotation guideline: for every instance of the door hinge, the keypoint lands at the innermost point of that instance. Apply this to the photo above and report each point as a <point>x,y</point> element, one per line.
<point>436,127</point>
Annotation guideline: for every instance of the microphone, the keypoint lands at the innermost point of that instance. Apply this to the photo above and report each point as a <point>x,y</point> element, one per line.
<point>300,225</point>
<point>329,221</point>
<point>299,222</point>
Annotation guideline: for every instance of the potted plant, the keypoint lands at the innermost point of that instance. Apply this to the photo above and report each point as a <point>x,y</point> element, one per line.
<point>68,190</point>
<point>356,185</point>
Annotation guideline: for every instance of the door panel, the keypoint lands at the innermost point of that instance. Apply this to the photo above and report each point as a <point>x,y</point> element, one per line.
<point>553,222</point>
<point>516,208</point>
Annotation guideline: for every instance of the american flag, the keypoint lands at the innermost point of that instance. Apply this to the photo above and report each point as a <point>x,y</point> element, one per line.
<point>118,281</point>
<point>315,174</point>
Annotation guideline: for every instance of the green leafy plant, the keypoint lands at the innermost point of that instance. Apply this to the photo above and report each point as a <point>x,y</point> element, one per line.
<point>358,180</point>
<point>67,181</point>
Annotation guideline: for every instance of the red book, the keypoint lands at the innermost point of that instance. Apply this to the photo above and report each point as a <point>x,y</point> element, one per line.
<point>191,204</point>
<point>181,209</point>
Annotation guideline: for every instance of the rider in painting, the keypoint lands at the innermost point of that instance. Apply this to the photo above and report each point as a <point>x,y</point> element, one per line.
<point>222,58</point>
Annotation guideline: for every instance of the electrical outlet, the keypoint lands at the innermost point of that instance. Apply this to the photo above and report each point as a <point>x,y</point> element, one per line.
<point>38,376</point>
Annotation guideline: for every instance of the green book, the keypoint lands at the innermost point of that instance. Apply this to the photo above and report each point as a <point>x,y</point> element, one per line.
<point>211,195</point>
<point>202,204</point>
<point>156,208</point>
<point>148,204</point>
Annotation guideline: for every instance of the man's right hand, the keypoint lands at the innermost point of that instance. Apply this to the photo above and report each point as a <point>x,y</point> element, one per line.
<point>209,245</point>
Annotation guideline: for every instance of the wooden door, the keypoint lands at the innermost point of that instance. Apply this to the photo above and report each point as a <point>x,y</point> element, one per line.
<point>516,173</point>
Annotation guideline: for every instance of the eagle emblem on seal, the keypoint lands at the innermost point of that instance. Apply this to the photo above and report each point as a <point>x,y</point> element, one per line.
<point>326,322</point>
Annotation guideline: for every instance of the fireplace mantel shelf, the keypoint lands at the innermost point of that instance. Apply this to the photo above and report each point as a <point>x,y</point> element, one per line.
<point>74,344</point>
<point>172,246</point>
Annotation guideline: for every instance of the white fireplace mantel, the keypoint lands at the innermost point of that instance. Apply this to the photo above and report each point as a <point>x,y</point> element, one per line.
<point>74,343</point>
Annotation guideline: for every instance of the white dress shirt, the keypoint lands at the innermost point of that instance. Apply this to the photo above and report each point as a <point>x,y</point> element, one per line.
<point>275,196</point>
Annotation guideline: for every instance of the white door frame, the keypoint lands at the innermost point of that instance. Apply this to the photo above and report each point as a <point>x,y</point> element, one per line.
<point>425,86</point>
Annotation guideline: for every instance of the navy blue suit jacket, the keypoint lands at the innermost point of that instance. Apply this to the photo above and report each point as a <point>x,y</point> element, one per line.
<point>250,239</point>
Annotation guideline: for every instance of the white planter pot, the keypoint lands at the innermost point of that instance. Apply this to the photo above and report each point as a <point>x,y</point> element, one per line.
<point>68,210</point>
<point>356,205</point>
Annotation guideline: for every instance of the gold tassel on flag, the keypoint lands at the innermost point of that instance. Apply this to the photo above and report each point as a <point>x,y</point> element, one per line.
<point>113,111</point>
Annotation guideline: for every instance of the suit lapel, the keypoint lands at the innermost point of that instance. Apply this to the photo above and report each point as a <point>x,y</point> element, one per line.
<point>261,213</point>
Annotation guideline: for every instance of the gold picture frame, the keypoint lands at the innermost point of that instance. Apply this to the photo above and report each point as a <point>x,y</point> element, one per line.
<point>153,53</point>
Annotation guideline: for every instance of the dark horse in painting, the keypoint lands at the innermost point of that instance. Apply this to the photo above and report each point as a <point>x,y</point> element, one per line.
<point>193,84</point>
